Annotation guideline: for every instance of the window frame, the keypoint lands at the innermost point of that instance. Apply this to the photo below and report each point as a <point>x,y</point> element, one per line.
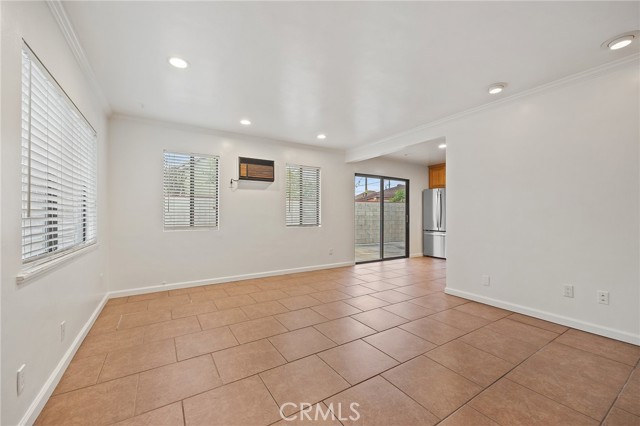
<point>191,226</point>
<point>300,224</point>
<point>34,264</point>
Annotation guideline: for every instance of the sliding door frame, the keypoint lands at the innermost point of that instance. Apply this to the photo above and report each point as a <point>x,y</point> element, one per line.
<point>406,222</point>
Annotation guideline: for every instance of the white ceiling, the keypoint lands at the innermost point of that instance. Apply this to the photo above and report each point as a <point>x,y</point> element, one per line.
<point>357,71</point>
<point>425,153</point>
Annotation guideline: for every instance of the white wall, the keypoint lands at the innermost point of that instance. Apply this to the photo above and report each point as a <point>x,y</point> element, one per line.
<point>252,238</point>
<point>32,312</point>
<point>544,190</point>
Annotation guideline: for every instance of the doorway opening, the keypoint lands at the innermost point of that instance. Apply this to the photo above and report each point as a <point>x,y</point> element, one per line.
<point>381,218</point>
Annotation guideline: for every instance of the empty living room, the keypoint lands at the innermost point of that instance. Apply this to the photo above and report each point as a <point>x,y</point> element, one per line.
<point>340,213</point>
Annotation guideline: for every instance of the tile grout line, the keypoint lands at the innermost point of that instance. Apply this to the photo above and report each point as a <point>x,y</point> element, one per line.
<point>264,338</point>
<point>538,393</point>
<point>409,396</point>
<point>270,394</point>
<point>458,338</point>
<point>216,367</point>
<point>202,329</point>
<point>176,401</point>
<point>157,408</point>
<point>501,377</point>
<point>621,409</point>
<point>354,276</point>
<point>135,398</point>
<point>531,325</point>
<point>184,414</point>
<point>273,368</point>
<point>175,350</point>
<point>104,361</point>
<point>591,353</point>
<point>269,369</point>
<point>618,397</point>
<point>89,385</point>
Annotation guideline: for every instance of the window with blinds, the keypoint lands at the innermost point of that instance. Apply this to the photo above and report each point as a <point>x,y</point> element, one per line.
<point>190,191</point>
<point>303,195</point>
<point>59,164</point>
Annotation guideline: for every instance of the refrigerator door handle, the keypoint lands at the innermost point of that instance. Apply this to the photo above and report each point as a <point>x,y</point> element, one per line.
<point>435,210</point>
<point>439,210</point>
<point>440,215</point>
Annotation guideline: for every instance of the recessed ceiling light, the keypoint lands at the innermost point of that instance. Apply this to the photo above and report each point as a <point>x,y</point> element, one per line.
<point>321,136</point>
<point>245,122</point>
<point>620,42</point>
<point>178,62</point>
<point>442,146</point>
<point>496,88</point>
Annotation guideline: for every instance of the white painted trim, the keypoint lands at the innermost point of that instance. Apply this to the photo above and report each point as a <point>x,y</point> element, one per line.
<point>413,136</point>
<point>220,280</point>
<point>416,255</point>
<point>34,271</point>
<point>49,386</point>
<point>548,316</point>
<point>59,13</point>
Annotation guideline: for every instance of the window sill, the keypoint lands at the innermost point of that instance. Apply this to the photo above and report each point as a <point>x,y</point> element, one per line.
<point>35,271</point>
<point>191,228</point>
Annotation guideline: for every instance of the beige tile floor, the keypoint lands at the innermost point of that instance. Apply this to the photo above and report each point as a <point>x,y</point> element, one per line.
<point>382,335</point>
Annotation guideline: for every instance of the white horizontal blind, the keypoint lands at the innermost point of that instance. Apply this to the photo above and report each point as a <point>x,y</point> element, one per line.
<point>59,163</point>
<point>190,191</point>
<point>303,195</point>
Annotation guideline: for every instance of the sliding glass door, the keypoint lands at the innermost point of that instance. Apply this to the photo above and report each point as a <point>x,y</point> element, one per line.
<point>381,218</point>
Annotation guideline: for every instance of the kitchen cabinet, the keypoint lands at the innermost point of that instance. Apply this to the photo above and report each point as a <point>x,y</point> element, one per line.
<point>438,176</point>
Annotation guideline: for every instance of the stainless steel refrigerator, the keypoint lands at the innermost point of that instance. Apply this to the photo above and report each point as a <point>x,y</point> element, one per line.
<point>434,222</point>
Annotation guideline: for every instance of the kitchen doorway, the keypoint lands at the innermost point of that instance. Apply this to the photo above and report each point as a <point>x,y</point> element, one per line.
<point>381,218</point>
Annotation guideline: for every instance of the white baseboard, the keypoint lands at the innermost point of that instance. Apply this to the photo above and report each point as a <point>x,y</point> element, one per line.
<point>416,255</point>
<point>220,280</point>
<point>548,316</point>
<point>49,386</point>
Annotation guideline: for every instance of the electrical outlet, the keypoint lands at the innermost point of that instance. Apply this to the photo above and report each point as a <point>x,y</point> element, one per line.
<point>330,252</point>
<point>21,379</point>
<point>567,290</point>
<point>485,280</point>
<point>603,297</point>
<point>63,330</point>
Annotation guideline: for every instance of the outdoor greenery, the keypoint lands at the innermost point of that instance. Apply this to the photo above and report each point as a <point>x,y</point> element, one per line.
<point>398,197</point>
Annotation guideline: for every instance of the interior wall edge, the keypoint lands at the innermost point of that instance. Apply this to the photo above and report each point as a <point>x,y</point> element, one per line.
<point>548,316</point>
<point>49,386</point>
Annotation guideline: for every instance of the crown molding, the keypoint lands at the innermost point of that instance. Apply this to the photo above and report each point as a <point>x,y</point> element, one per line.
<point>403,139</point>
<point>59,13</point>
